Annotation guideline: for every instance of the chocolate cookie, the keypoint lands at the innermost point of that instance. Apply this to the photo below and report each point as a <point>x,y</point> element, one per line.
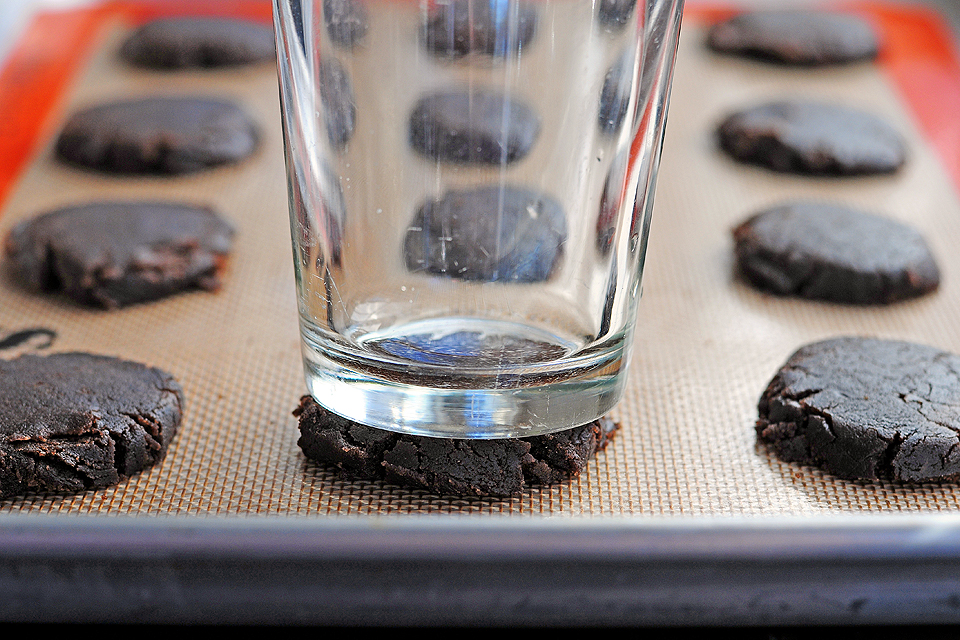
<point>830,252</point>
<point>462,236</point>
<point>473,127</point>
<point>497,468</point>
<point>111,254</point>
<point>346,21</point>
<point>75,421</point>
<point>336,94</point>
<point>157,136</point>
<point>803,38</point>
<point>459,27</point>
<point>863,408</point>
<point>198,42</point>
<point>615,94</point>
<point>812,138</point>
<point>614,14</point>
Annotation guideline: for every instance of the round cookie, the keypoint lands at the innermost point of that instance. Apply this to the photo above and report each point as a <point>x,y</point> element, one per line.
<point>801,38</point>
<point>460,236</point>
<point>339,106</point>
<point>473,127</point>
<point>614,15</point>
<point>456,28</point>
<point>831,252</point>
<point>864,408</point>
<point>198,42</point>
<point>812,138</point>
<point>112,254</point>
<point>615,94</point>
<point>346,21</point>
<point>499,468</point>
<point>159,135</point>
<point>74,421</point>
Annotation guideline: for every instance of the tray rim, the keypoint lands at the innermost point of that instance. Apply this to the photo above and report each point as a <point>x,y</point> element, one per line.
<point>418,570</point>
<point>845,568</point>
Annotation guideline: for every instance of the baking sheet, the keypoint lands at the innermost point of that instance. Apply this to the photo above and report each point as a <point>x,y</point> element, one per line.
<point>682,519</point>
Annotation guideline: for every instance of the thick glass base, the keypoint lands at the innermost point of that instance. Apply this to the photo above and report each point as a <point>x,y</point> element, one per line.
<point>464,383</point>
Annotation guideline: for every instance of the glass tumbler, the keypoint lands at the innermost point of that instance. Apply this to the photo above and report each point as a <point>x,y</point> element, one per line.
<point>470,188</point>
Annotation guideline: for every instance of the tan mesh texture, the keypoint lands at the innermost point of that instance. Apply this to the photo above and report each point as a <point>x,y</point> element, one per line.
<point>706,344</point>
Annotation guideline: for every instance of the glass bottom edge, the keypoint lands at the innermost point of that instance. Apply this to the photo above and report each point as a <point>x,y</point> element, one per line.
<point>467,412</point>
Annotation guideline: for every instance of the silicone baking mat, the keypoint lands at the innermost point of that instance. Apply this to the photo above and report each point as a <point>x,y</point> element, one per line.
<point>706,344</point>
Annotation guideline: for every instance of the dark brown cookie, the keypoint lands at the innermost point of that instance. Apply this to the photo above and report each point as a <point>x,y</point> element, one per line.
<point>507,234</point>
<point>164,135</point>
<point>614,14</point>
<point>615,94</point>
<point>456,28</point>
<point>831,252</point>
<point>111,254</point>
<point>497,468</point>
<point>346,21</point>
<point>802,38</point>
<point>812,138</point>
<point>336,95</point>
<point>75,421</point>
<point>473,127</point>
<point>863,408</point>
<point>198,42</point>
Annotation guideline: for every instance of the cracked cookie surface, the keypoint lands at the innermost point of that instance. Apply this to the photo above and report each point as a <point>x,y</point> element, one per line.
<point>76,421</point>
<point>496,468</point>
<point>866,409</point>
<point>830,252</point>
<point>114,254</point>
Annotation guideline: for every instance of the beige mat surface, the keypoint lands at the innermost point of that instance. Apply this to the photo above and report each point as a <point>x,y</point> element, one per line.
<point>706,344</point>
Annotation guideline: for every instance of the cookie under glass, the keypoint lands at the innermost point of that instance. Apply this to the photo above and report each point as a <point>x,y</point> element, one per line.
<point>470,186</point>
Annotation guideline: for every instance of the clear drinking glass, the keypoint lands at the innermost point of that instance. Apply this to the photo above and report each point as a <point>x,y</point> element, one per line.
<point>470,187</point>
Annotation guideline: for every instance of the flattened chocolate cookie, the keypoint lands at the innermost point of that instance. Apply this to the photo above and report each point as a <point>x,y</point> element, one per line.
<point>496,468</point>
<point>801,38</point>
<point>614,14</point>
<point>166,135</point>
<point>473,127</point>
<point>455,28</point>
<point>336,95</point>
<point>812,138</point>
<point>112,254</point>
<point>615,94</point>
<point>347,22</point>
<point>198,42</point>
<point>75,421</point>
<point>863,408</point>
<point>462,236</point>
<point>831,252</point>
